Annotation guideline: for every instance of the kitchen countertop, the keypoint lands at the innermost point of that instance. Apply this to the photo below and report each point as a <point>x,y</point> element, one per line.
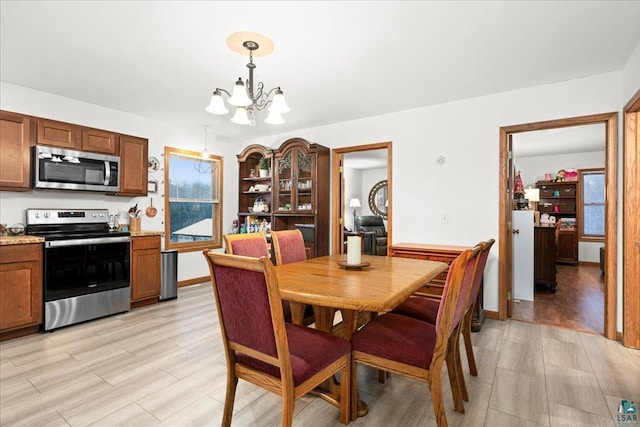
<point>20,240</point>
<point>26,239</point>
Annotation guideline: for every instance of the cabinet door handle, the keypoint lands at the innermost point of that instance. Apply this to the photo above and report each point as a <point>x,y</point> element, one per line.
<point>516,231</point>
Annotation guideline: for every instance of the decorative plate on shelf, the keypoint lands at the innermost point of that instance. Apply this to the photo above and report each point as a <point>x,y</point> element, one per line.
<point>154,164</point>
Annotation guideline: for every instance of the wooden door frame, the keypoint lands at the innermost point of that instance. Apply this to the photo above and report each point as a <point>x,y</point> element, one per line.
<point>337,204</point>
<point>631,287</point>
<point>611,152</point>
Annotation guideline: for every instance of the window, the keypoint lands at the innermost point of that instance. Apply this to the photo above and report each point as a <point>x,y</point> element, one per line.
<point>592,204</point>
<point>193,201</point>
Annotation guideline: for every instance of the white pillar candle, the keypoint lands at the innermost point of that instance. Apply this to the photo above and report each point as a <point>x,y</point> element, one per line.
<point>354,257</point>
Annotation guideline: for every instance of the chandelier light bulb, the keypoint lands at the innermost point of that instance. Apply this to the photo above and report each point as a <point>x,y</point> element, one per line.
<point>274,118</point>
<point>216,105</point>
<point>279,105</point>
<point>239,97</point>
<point>241,117</point>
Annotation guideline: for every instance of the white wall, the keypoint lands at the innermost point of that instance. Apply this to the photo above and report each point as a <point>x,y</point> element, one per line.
<point>466,133</point>
<point>160,134</point>
<point>533,168</point>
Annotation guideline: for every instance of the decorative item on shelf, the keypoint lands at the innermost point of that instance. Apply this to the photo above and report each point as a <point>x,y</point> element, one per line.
<point>570,175</point>
<point>3,229</point>
<point>560,176</point>
<point>263,167</point>
<point>243,97</point>
<point>547,177</point>
<point>260,205</point>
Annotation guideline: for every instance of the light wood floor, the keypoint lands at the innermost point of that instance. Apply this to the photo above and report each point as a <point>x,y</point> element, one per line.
<point>577,304</point>
<point>163,365</point>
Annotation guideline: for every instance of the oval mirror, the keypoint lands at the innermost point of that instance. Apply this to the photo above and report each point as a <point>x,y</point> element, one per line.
<point>378,199</point>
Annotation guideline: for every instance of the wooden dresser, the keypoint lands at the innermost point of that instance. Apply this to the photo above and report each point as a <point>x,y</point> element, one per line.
<point>444,253</point>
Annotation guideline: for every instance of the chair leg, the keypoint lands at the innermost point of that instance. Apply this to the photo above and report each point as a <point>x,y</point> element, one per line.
<point>435,387</point>
<point>353,411</point>
<point>345,393</point>
<point>232,383</point>
<point>452,370</point>
<point>466,333</point>
<point>288,406</point>
<point>461,381</point>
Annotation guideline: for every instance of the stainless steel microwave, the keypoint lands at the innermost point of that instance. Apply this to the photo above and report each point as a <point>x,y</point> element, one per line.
<point>57,168</point>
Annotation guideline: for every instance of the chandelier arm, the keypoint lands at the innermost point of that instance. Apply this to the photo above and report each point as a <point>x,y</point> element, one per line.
<point>222,90</point>
<point>263,100</point>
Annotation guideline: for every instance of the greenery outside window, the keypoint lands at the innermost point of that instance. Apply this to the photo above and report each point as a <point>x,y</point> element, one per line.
<point>591,208</point>
<point>193,200</point>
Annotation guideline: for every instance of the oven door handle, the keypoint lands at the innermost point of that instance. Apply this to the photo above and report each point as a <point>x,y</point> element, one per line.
<point>80,242</point>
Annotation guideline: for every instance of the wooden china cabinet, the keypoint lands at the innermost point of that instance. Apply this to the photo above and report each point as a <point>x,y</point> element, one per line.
<point>296,192</point>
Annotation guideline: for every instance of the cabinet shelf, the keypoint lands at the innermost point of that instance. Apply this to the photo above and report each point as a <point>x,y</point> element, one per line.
<point>257,178</point>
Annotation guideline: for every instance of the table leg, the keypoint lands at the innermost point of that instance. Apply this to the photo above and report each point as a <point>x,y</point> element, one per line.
<point>297,312</point>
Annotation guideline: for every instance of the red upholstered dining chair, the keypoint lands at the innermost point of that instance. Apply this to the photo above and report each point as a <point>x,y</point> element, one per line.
<point>414,348</point>
<point>285,359</point>
<point>288,246</point>
<point>247,244</point>
<point>426,309</point>
<point>254,245</point>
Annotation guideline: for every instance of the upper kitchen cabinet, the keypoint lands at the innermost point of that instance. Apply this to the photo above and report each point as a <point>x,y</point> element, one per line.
<point>133,166</point>
<point>75,137</point>
<point>15,164</point>
<point>99,141</point>
<point>58,134</point>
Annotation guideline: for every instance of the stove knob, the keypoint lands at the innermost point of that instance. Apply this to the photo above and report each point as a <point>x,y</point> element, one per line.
<point>46,214</point>
<point>37,215</point>
<point>93,214</point>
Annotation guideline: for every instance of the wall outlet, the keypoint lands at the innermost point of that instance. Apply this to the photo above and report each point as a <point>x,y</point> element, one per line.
<point>444,218</point>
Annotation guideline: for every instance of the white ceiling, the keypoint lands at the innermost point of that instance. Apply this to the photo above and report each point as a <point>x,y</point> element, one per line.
<point>336,61</point>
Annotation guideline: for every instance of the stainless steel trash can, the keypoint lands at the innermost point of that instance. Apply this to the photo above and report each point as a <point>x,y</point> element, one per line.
<point>169,275</point>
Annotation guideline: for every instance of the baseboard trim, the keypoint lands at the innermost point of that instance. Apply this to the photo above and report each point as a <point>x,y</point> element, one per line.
<point>491,314</point>
<point>193,281</point>
<point>589,263</point>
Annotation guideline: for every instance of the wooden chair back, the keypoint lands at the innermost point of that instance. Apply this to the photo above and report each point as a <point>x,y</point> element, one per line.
<point>288,246</point>
<point>247,244</point>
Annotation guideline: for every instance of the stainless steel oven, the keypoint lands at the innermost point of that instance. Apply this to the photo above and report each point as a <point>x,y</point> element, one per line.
<point>86,266</point>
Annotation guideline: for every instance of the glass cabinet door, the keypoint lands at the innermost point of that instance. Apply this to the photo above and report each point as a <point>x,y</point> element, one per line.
<point>304,182</point>
<point>285,184</point>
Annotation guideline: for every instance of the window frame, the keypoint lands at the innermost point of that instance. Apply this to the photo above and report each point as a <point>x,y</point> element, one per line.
<point>216,241</point>
<point>580,213</point>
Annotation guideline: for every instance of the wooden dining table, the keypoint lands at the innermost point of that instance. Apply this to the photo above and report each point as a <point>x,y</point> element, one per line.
<point>380,285</point>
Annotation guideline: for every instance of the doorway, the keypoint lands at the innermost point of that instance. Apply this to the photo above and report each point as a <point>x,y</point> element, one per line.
<point>338,191</point>
<point>506,229</point>
<point>568,287</point>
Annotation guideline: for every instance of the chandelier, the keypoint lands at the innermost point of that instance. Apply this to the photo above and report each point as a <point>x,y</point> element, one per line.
<point>243,97</point>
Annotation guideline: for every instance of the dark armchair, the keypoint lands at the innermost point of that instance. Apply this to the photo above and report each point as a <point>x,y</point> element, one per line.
<point>375,234</point>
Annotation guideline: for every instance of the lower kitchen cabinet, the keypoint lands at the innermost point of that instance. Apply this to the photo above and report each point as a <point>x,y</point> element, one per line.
<point>442,253</point>
<point>20,289</point>
<point>145,270</point>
